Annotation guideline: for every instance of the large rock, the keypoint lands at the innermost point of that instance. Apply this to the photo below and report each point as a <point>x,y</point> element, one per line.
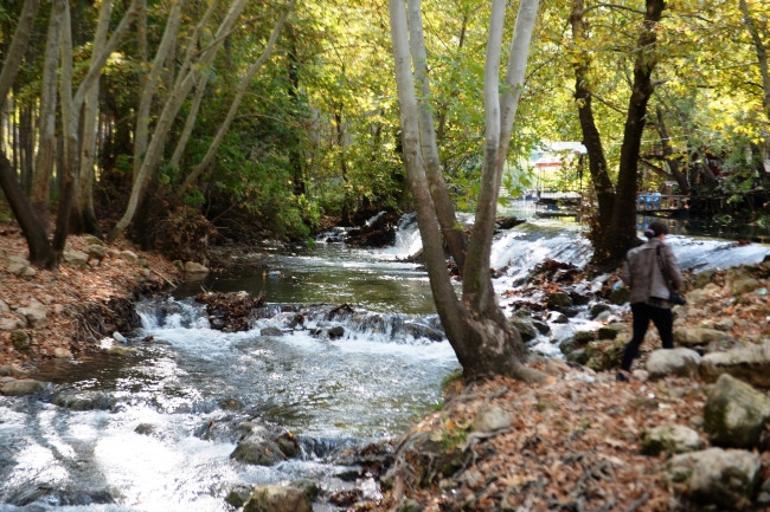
<point>20,340</point>
<point>708,293</point>
<point>35,313</point>
<point>735,413</point>
<point>726,479</point>
<point>20,387</point>
<point>670,439</point>
<point>19,266</point>
<point>526,328</point>
<point>611,331</point>
<point>604,354</point>
<point>195,269</point>
<point>75,258</point>
<point>680,361</point>
<point>620,295</point>
<point>259,448</point>
<point>598,309</point>
<point>11,322</point>
<point>744,285</point>
<point>750,363</point>
<point>129,256</point>
<point>274,498</point>
<point>558,300</point>
<point>85,400</point>
<point>4,308</point>
<point>698,336</point>
<point>491,418</point>
<point>96,252</point>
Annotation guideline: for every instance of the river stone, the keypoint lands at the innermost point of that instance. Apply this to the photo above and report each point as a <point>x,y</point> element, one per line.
<point>75,258</point>
<point>20,340</point>
<point>96,252</point>
<point>418,330</point>
<point>542,327</point>
<point>708,293</point>
<point>525,327</point>
<point>35,313</point>
<point>744,285</point>
<point>147,429</point>
<point>238,495</point>
<point>750,363</point>
<point>129,256</point>
<point>336,332</point>
<point>12,322</point>
<point>598,309</point>
<point>557,317</point>
<point>726,479</point>
<point>491,418</point>
<point>583,337</point>
<point>670,439</point>
<point>271,331</point>
<point>619,295</point>
<point>735,413</point>
<point>10,370</point>
<point>19,387</point>
<point>681,361</point>
<point>85,400</point>
<point>696,336</point>
<point>195,268</point>
<point>611,331</point>
<point>258,450</point>
<point>604,354</point>
<point>558,300</point>
<point>274,498</point>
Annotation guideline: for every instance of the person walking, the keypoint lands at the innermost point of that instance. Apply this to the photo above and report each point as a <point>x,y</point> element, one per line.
<point>652,273</point>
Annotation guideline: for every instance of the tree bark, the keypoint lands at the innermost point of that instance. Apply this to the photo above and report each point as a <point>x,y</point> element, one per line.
<point>451,229</point>
<point>243,86</point>
<point>668,153</point>
<point>189,122</point>
<point>623,228</point>
<point>764,72</point>
<point>18,47</point>
<point>41,179</point>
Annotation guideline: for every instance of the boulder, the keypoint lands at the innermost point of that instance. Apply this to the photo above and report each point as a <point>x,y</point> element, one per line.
<point>583,337</point>
<point>275,498</point>
<point>35,313</point>
<point>750,363</point>
<point>10,322</point>
<point>62,353</point>
<point>619,295</point>
<point>726,479</point>
<point>258,449</point>
<point>195,268</point>
<point>556,300</point>
<point>9,370</point>
<point>541,326</point>
<point>735,413</point>
<point>20,340</point>
<point>579,356</point>
<point>557,318</point>
<point>96,252</point>
<point>526,328</point>
<point>148,429</point>
<point>681,361</point>
<point>336,332</point>
<point>491,418</point>
<point>611,331</point>
<point>708,293</point>
<point>75,258</point>
<point>697,336</point>
<point>671,439</point>
<point>598,309</point>
<point>4,308</point>
<point>93,240</point>
<point>20,387</point>
<point>19,266</point>
<point>604,354</point>
<point>85,400</point>
<point>271,331</point>
<point>238,495</point>
<point>420,330</point>
<point>744,285</point>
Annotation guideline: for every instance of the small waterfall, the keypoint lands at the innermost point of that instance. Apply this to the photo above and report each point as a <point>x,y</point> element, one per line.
<point>169,313</point>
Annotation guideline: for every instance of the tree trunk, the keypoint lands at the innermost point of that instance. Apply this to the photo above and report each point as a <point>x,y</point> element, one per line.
<point>41,179</point>
<point>623,228</point>
<point>451,229</point>
<point>668,153</point>
<point>18,47</point>
<point>189,122</point>
<point>764,72</point>
<point>597,164</point>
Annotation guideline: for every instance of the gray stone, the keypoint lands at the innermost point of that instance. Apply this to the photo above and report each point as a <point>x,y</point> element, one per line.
<point>20,340</point>
<point>271,331</point>
<point>419,330</point>
<point>96,251</point>
<point>85,400</point>
<point>491,418</point>
<point>62,353</point>
<point>541,326</point>
<point>557,318</point>
<point>119,337</point>
<point>129,256</point>
<point>148,429</point>
<point>238,495</point>
<point>75,258</point>
<point>9,370</point>
<point>35,313</point>
<point>750,363</point>
<point>670,439</point>
<point>93,240</point>
<point>611,331</point>
<point>708,293</point>
<point>525,327</point>
<point>744,285</point>
<point>697,336</point>
<point>619,295</point>
<point>735,413</point>
<point>258,450</point>
<point>583,337</point>
<point>726,479</point>
<point>579,356</point>
<point>21,387</point>
<point>10,322</point>
<point>274,498</point>
<point>192,267</point>
<point>557,300</point>
<point>681,361</point>
<point>336,332</point>
<point>4,308</point>
<point>598,309</point>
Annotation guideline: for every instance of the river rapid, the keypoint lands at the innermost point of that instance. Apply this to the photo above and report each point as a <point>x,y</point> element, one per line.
<point>153,430</point>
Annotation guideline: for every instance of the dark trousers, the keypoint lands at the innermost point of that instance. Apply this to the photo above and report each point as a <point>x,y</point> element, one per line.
<point>642,314</point>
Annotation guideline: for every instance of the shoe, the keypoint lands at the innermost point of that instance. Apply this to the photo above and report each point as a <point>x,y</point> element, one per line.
<point>621,377</point>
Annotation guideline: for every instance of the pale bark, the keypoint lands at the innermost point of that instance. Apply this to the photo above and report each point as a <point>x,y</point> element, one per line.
<point>84,203</point>
<point>41,178</point>
<point>15,52</point>
<point>182,87</point>
<point>141,131</point>
<point>450,228</point>
<point>243,86</point>
<point>189,122</point>
<point>764,72</point>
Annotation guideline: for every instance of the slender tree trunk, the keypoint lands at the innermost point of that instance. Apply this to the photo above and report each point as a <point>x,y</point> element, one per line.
<point>41,180</point>
<point>764,72</point>
<point>18,47</point>
<point>189,122</point>
<point>295,153</point>
<point>243,86</point>
<point>445,212</point>
<point>597,164</point>
<point>623,230</point>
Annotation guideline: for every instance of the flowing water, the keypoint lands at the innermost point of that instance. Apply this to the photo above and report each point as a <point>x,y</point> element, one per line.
<point>154,430</point>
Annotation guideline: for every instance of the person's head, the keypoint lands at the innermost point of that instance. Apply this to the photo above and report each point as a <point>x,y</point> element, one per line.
<point>656,229</point>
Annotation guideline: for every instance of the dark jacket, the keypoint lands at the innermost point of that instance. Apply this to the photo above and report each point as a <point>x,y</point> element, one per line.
<point>642,272</point>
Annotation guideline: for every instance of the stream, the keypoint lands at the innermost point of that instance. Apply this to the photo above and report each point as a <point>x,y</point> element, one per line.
<point>153,430</point>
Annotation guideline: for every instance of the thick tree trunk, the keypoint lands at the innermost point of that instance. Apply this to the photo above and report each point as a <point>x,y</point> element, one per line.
<point>623,229</point>
<point>41,179</point>
<point>451,229</point>
<point>243,86</point>
<point>597,163</point>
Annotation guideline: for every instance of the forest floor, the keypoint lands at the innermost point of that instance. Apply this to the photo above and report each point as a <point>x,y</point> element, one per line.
<point>63,313</point>
<point>575,441</point>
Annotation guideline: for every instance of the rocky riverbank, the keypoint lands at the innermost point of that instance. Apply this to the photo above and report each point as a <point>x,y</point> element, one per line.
<point>64,313</point>
<point>688,432</point>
